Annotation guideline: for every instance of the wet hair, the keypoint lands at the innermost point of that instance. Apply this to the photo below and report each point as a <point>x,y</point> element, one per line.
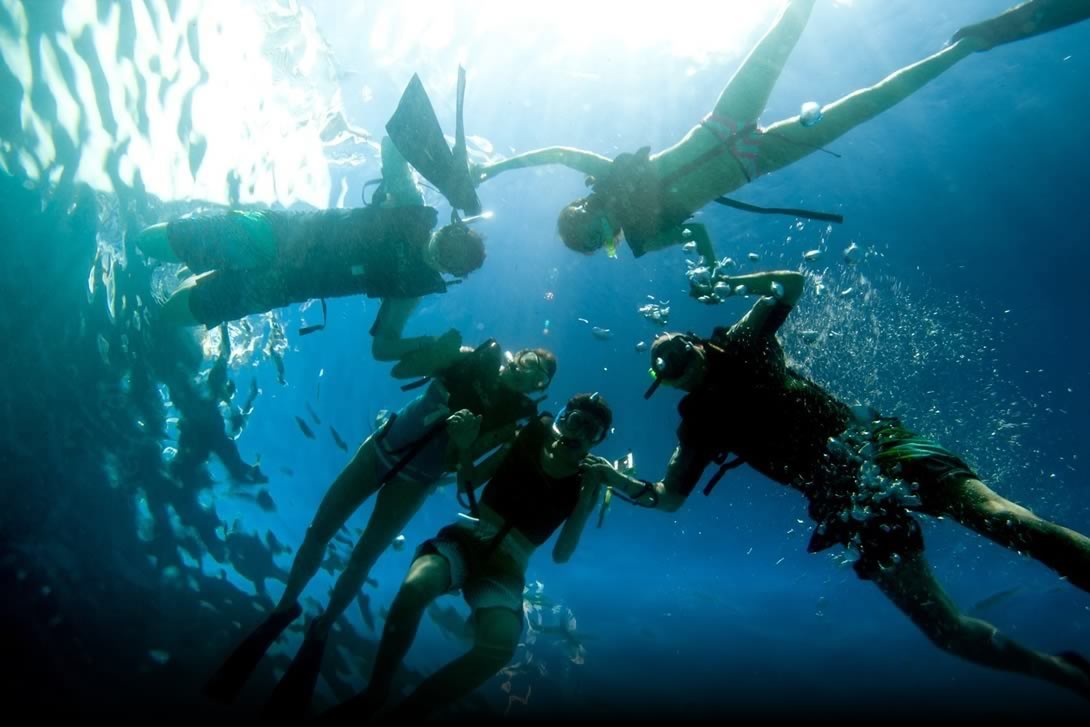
<point>674,349</point>
<point>459,250</point>
<point>578,223</point>
<point>594,405</point>
<point>547,357</point>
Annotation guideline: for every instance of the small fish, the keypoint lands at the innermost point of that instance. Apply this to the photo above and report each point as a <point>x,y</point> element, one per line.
<point>159,656</point>
<point>288,471</point>
<point>364,602</point>
<point>602,334</point>
<point>333,562</point>
<point>304,428</point>
<point>275,545</point>
<point>641,346</point>
<point>313,416</point>
<point>850,253</point>
<point>777,290</point>
<point>337,439</point>
<point>583,320</point>
<point>265,501</point>
<point>811,255</point>
<point>399,543</point>
<point>278,361</point>
<point>741,291</point>
<point>689,247</point>
<point>753,257</point>
<point>986,604</point>
<point>846,292</point>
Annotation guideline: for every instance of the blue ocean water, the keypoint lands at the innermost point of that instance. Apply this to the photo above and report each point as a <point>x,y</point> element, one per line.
<point>963,319</point>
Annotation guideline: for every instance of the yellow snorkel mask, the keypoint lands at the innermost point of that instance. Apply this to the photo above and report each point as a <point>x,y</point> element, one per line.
<point>609,237</point>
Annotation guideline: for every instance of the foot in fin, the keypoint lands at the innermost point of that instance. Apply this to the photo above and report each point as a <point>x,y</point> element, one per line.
<point>229,679</point>
<point>415,130</point>
<point>1031,18</point>
<point>291,698</point>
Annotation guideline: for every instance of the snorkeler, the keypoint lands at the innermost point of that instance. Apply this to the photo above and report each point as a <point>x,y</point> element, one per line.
<point>862,473</point>
<point>534,487</point>
<point>251,262</point>
<point>247,262</point>
<point>402,461</point>
<point>651,198</point>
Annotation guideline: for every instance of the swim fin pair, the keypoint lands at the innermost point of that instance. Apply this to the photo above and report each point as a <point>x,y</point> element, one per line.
<point>229,679</point>
<point>291,698</point>
<point>415,130</point>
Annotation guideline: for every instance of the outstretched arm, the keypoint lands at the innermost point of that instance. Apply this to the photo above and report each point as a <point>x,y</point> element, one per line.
<point>686,466</point>
<point>568,540</point>
<point>387,342</point>
<point>577,159</point>
<point>682,234</point>
<point>779,290</point>
<point>421,355</point>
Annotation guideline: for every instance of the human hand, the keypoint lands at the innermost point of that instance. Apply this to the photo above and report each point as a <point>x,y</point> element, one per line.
<point>463,426</point>
<point>435,355</point>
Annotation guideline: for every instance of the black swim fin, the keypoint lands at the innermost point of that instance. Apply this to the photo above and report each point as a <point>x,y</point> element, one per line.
<point>229,679</point>
<point>291,698</point>
<point>415,130</point>
<point>1031,18</point>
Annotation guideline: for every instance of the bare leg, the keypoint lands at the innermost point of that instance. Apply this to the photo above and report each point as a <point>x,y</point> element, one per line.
<point>396,504</point>
<point>428,578</point>
<point>1026,20</point>
<point>787,141</point>
<point>912,588</point>
<point>497,635</point>
<point>355,483</point>
<point>975,506</point>
<point>747,93</point>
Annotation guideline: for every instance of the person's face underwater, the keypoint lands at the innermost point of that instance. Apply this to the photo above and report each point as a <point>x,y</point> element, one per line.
<point>525,372</point>
<point>575,432</point>
<point>600,233</point>
<point>677,362</point>
<point>593,230</point>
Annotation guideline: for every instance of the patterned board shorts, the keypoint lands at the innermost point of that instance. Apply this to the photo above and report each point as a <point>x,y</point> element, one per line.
<point>486,577</point>
<point>883,473</point>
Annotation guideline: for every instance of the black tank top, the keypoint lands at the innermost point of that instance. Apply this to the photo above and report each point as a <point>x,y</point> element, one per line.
<point>528,499</point>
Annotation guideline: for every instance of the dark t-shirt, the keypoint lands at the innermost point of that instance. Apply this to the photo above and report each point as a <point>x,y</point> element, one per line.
<point>371,251</point>
<point>751,404</point>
